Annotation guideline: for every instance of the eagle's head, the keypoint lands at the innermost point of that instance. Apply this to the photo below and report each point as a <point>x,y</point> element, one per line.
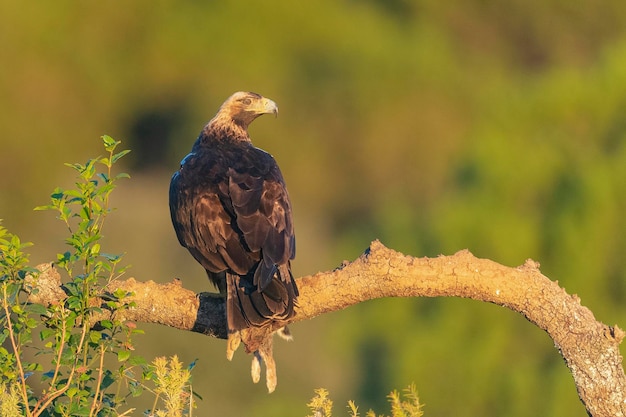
<point>235,115</point>
<point>243,107</point>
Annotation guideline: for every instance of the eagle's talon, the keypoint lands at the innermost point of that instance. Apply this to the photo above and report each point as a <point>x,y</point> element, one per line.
<point>255,369</point>
<point>265,352</point>
<point>234,340</point>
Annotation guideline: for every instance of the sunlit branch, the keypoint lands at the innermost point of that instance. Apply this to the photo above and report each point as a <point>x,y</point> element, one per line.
<point>590,348</point>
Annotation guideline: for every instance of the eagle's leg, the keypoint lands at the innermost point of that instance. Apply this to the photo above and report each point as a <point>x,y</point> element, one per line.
<point>265,355</point>
<point>259,341</point>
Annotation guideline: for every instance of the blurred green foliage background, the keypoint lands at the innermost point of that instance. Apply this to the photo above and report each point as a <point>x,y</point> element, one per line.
<point>434,126</point>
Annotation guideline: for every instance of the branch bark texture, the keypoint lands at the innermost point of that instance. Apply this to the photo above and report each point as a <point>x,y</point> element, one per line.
<point>590,348</point>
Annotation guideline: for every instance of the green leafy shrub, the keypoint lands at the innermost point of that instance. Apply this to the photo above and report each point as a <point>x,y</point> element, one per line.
<point>76,378</point>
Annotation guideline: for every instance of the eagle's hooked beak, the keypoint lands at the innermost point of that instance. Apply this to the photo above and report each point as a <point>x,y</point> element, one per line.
<point>269,107</point>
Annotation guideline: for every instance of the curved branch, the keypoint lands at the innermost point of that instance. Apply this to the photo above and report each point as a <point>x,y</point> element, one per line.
<point>589,348</point>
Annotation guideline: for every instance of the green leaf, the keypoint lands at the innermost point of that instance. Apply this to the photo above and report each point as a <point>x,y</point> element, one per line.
<point>72,288</point>
<point>76,166</point>
<point>95,337</point>
<point>109,143</point>
<point>12,291</point>
<point>95,249</point>
<point>111,257</point>
<point>46,333</point>
<point>48,207</point>
<point>74,303</point>
<point>85,213</point>
<point>72,391</point>
<point>90,169</point>
<point>57,194</point>
<point>94,310</point>
<point>105,161</point>
<point>47,375</point>
<point>121,293</point>
<point>66,212</point>
<point>37,309</point>
<point>107,380</point>
<point>119,155</point>
<point>33,366</point>
<point>74,340</point>
<point>104,177</point>
<point>123,355</point>
<point>76,194</point>
<point>106,189</point>
<point>31,323</point>
<point>137,361</point>
<point>135,388</point>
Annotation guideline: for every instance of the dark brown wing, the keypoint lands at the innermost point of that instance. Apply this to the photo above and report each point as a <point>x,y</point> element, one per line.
<point>204,227</point>
<point>263,214</point>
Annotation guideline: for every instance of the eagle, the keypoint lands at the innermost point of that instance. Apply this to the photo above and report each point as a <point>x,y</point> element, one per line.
<point>230,208</point>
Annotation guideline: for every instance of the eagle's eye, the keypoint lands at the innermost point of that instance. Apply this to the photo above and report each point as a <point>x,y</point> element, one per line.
<point>246,101</point>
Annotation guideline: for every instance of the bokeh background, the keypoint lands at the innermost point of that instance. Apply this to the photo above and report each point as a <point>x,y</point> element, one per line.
<point>433,126</point>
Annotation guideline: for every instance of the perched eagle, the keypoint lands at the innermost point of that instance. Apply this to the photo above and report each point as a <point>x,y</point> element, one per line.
<point>230,209</point>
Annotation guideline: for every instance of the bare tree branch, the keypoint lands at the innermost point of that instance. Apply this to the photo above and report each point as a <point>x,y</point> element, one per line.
<point>589,348</point>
